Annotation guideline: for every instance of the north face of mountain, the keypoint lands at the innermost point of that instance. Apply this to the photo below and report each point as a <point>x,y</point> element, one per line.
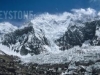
<point>79,33</point>
<point>24,41</point>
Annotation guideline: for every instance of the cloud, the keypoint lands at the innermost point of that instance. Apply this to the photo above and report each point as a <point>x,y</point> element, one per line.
<point>94,0</point>
<point>95,4</point>
<point>87,11</point>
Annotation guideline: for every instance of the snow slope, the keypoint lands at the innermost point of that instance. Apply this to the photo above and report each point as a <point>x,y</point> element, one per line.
<point>6,27</point>
<point>54,26</point>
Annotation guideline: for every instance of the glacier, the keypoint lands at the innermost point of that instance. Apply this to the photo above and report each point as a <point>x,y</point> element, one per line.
<point>54,26</point>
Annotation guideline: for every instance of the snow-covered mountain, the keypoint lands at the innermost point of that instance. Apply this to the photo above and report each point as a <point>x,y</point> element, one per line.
<point>52,35</point>
<point>33,39</point>
<point>6,27</point>
<point>24,41</point>
<point>78,33</point>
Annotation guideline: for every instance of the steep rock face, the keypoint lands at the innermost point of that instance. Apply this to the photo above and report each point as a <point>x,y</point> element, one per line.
<point>33,40</point>
<point>77,34</point>
<point>24,40</point>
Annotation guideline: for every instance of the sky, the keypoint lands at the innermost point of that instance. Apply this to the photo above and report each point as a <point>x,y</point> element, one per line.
<point>42,6</point>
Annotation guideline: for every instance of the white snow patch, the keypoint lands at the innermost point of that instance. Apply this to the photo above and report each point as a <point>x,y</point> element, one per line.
<point>6,27</point>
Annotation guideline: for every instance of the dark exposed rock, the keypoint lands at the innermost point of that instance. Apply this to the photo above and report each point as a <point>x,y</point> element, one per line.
<point>25,41</point>
<point>77,35</point>
<point>23,51</point>
<point>84,63</point>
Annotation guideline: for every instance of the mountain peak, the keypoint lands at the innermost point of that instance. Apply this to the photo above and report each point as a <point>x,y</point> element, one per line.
<point>6,27</point>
